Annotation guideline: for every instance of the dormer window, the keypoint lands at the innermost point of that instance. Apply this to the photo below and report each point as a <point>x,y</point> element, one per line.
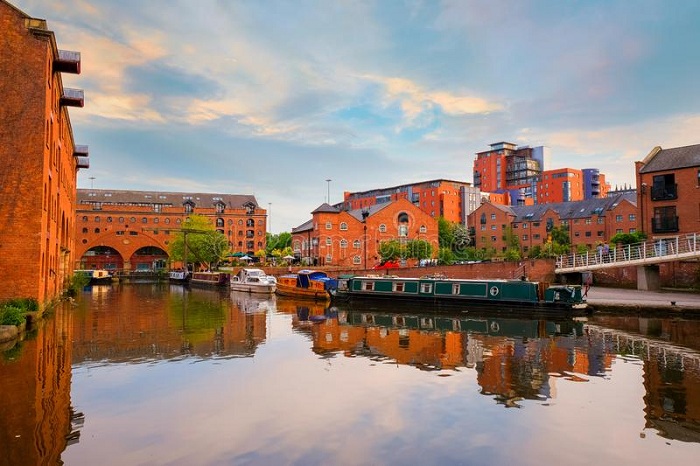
<point>189,206</point>
<point>220,207</point>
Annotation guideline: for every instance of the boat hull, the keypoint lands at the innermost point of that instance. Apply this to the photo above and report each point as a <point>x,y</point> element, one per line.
<point>303,293</point>
<point>209,279</point>
<point>497,294</point>
<point>251,288</point>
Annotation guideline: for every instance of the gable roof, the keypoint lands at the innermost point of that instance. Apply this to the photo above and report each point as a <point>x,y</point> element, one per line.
<point>127,197</point>
<point>572,210</point>
<point>669,159</point>
<point>325,208</point>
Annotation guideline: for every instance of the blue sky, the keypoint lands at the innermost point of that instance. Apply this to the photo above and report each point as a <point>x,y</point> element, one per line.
<point>272,98</point>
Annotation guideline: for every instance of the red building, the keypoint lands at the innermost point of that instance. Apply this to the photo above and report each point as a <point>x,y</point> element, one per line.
<point>560,185</point>
<point>132,230</point>
<point>39,159</point>
<point>588,222</point>
<point>452,200</point>
<point>668,187</point>
<point>351,238</point>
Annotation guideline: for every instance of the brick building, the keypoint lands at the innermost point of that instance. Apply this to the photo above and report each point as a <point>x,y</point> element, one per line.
<point>132,230</point>
<point>668,187</point>
<point>39,159</point>
<point>351,238</point>
<point>560,185</point>
<point>453,200</point>
<point>589,222</point>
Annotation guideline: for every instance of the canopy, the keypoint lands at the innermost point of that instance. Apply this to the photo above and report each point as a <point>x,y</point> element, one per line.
<point>246,258</point>
<point>288,257</point>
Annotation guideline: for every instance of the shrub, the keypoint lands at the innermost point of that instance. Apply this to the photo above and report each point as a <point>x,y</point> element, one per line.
<point>11,315</point>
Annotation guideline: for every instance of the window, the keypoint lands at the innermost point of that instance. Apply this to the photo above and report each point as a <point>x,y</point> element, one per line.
<point>343,226</point>
<point>219,222</point>
<point>403,230</point>
<point>398,286</point>
<point>97,219</point>
<point>423,229</point>
<point>144,220</point>
<point>356,260</point>
<point>329,226</point>
<point>588,233</point>
<point>600,234</point>
<point>632,217</point>
<point>601,220</point>
<point>455,288</point>
<point>220,208</point>
<point>85,230</point>
<point>329,241</point>
<point>382,228</point>
<point>664,187</point>
<point>426,287</point>
<point>109,219</point>
<point>493,227</point>
<point>121,219</point>
<point>367,286</point>
<point>343,243</point>
<point>167,221</point>
<point>524,237</point>
<point>618,218</point>
<point>665,220</point>
<point>356,244</point>
<point>524,225</point>
<point>329,259</point>
<point>493,216</point>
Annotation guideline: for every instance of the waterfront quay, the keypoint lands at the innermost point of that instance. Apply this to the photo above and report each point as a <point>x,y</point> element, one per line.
<point>622,300</point>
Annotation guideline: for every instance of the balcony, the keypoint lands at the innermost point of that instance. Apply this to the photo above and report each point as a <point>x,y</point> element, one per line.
<point>67,62</point>
<point>73,98</point>
<point>664,224</point>
<point>81,155</point>
<point>664,192</point>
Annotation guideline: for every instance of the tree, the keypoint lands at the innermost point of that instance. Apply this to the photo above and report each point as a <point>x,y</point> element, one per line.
<point>512,245</point>
<point>418,249</point>
<point>205,245</point>
<point>445,256</point>
<point>445,233</point>
<point>280,241</point>
<point>391,250</point>
<point>629,238</point>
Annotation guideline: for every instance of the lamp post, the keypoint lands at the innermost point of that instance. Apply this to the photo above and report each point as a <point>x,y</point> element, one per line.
<point>328,195</point>
<point>269,217</point>
<point>92,184</point>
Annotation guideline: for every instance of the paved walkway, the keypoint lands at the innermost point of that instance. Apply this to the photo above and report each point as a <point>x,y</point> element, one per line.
<point>619,298</point>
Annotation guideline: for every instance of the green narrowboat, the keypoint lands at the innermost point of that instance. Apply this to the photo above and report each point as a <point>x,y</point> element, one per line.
<point>493,292</point>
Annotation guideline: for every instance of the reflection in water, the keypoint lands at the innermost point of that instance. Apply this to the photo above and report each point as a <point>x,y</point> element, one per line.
<point>255,382</point>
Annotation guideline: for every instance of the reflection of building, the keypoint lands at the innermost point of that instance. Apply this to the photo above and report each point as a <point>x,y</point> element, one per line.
<point>514,358</point>
<point>352,238</point>
<point>39,159</point>
<point>35,412</point>
<point>199,322</point>
<point>131,230</point>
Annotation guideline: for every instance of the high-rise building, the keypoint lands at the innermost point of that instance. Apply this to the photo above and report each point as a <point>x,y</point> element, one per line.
<point>39,159</point>
<point>560,185</point>
<point>508,168</point>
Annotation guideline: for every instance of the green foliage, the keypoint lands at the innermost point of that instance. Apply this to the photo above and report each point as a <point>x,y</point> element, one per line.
<point>77,282</point>
<point>14,312</point>
<point>445,256</point>
<point>581,248</point>
<point>560,235</point>
<point>205,245</point>
<point>418,249</point>
<point>629,238</point>
<point>536,251</point>
<point>278,242</point>
<point>453,236</point>
<point>390,250</point>
<point>445,233</point>
<point>512,254</point>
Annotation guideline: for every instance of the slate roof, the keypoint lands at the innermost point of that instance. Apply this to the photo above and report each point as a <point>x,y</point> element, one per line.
<point>571,210</point>
<point>125,197</point>
<point>670,159</point>
<point>325,208</point>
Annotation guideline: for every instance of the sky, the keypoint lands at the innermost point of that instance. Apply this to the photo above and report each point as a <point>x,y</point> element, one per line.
<point>274,98</point>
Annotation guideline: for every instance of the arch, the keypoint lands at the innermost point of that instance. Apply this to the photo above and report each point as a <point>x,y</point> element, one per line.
<point>102,257</point>
<point>149,258</point>
<point>402,217</point>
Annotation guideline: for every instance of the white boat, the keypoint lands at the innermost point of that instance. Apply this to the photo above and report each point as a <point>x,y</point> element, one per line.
<point>253,281</point>
<point>179,276</point>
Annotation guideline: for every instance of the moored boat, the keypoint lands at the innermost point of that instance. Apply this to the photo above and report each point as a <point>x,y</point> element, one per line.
<point>441,290</point>
<point>96,276</point>
<point>308,284</point>
<point>253,281</point>
<point>211,279</point>
<point>179,276</point>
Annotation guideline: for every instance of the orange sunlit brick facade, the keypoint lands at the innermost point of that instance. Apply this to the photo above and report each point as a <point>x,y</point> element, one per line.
<point>39,159</point>
<point>560,185</point>
<point>351,239</point>
<point>132,230</point>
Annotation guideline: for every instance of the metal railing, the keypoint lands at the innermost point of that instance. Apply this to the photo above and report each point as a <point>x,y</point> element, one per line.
<point>650,252</point>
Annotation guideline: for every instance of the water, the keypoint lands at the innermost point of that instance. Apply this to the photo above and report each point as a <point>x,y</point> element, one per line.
<point>161,375</point>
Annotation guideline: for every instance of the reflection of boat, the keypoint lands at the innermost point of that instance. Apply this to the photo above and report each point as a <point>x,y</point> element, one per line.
<point>486,325</point>
<point>441,290</point>
<point>179,276</point>
<point>253,281</point>
<point>209,279</point>
<point>309,284</point>
<point>96,276</point>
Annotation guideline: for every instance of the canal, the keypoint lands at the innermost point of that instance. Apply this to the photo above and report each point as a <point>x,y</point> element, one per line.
<point>158,374</point>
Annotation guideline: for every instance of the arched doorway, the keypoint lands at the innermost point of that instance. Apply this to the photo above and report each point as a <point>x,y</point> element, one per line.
<point>149,259</point>
<point>102,257</point>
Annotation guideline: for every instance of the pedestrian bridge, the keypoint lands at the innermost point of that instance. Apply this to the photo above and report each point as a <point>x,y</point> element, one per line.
<point>642,255</point>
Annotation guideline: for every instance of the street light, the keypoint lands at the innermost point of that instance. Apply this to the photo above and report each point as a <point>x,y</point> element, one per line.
<point>328,197</point>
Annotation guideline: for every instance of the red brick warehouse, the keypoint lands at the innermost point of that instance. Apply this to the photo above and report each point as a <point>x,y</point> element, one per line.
<point>39,159</point>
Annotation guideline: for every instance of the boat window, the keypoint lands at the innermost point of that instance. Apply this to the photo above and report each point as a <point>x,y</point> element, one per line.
<point>426,287</point>
<point>455,288</point>
<point>368,286</point>
<point>399,287</point>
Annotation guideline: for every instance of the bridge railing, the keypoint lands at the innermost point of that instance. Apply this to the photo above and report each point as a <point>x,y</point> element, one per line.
<point>667,247</point>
